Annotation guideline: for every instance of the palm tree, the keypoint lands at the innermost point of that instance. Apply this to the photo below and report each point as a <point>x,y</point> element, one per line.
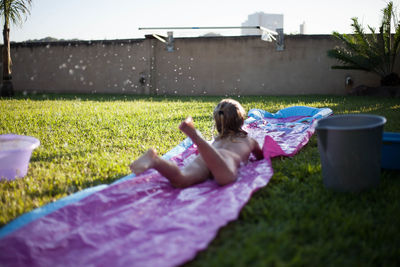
<point>373,52</point>
<point>14,11</point>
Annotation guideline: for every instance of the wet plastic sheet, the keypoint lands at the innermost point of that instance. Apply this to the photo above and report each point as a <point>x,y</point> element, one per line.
<point>144,221</point>
<point>285,132</point>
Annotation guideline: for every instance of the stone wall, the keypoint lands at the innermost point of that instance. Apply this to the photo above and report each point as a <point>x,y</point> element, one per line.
<point>197,66</point>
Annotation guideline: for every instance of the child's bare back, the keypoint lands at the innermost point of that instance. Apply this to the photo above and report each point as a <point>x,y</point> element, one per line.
<point>241,146</point>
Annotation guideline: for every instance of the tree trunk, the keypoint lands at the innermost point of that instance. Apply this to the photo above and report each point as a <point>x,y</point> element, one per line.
<point>7,87</point>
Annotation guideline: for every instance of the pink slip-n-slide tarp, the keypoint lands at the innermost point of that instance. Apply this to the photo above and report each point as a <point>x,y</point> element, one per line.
<point>143,220</point>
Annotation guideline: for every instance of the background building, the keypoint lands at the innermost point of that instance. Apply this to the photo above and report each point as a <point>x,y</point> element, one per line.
<point>270,21</point>
<point>303,28</point>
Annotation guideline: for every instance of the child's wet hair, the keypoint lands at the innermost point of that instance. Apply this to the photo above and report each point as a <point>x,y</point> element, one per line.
<point>229,117</point>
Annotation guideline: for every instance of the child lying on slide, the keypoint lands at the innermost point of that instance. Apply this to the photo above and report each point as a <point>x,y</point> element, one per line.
<point>220,160</point>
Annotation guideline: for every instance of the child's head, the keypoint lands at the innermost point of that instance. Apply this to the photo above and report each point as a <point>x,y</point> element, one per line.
<point>229,117</point>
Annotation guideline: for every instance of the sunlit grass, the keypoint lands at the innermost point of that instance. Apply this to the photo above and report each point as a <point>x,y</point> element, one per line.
<point>88,140</point>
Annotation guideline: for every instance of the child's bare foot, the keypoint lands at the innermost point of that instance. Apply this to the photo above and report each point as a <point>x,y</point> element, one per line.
<point>144,163</point>
<point>187,127</point>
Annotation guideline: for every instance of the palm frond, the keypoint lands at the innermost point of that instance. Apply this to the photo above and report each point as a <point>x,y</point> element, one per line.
<point>362,43</point>
<point>348,41</point>
<point>396,39</point>
<point>385,32</point>
<point>375,52</point>
<point>349,67</point>
<point>355,61</point>
<point>15,11</point>
<point>366,43</point>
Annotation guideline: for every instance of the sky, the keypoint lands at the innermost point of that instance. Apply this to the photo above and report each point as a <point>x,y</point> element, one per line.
<point>120,19</point>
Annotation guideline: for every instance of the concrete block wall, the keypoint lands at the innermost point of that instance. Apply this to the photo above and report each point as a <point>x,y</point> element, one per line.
<point>227,66</point>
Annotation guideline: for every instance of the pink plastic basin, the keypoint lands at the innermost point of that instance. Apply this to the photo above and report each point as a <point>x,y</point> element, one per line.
<point>15,153</point>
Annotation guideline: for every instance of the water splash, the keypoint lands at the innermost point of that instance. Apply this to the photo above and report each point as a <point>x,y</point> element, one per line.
<point>126,82</point>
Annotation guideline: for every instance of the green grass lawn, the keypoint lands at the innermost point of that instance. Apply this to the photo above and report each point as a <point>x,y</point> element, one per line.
<point>87,140</point>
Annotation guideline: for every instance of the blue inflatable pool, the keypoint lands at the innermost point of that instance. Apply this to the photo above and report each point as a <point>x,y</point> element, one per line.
<point>391,151</point>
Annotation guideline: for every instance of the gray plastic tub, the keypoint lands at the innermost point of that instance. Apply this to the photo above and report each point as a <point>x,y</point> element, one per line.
<point>350,151</point>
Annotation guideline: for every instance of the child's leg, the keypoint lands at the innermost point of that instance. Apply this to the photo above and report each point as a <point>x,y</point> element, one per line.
<point>193,173</point>
<point>223,164</point>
